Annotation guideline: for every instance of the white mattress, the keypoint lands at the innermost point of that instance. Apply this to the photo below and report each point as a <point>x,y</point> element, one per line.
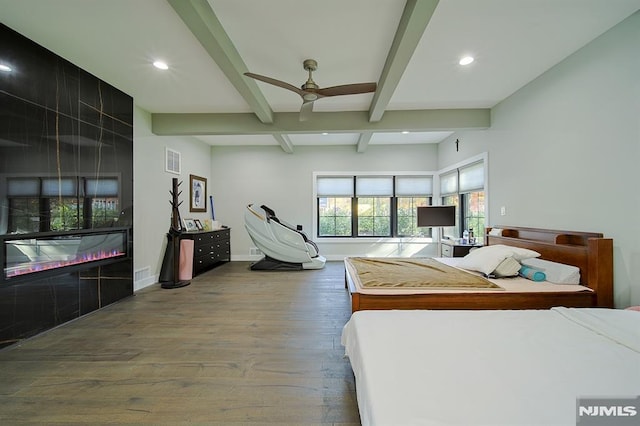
<point>512,285</point>
<point>490,367</point>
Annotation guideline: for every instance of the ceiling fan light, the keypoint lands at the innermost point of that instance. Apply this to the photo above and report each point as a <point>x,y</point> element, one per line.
<point>466,60</point>
<point>309,97</point>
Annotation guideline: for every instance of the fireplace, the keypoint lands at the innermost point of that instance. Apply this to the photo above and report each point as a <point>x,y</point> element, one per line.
<point>28,256</point>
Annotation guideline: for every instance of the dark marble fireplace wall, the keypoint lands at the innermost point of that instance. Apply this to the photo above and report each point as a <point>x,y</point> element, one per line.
<point>58,121</point>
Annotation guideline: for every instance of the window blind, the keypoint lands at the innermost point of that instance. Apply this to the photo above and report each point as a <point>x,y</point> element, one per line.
<point>472,177</point>
<point>334,187</point>
<point>449,183</point>
<point>414,186</point>
<point>374,186</point>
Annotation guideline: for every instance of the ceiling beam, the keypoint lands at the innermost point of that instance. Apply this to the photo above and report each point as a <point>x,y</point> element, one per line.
<point>205,26</point>
<point>414,20</point>
<point>342,122</point>
<point>363,141</point>
<point>285,142</point>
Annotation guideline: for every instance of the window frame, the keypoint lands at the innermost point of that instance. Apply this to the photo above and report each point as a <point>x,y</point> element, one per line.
<point>461,218</point>
<point>393,205</point>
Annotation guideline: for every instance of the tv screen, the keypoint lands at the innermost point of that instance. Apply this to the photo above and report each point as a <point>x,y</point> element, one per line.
<point>437,216</point>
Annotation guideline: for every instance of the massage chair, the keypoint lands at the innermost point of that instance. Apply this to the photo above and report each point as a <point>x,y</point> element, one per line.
<point>285,247</point>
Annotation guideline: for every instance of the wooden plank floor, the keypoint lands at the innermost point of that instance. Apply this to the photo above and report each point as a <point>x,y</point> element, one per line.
<point>234,347</point>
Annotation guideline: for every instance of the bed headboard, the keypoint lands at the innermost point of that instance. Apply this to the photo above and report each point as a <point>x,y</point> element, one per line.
<point>589,251</point>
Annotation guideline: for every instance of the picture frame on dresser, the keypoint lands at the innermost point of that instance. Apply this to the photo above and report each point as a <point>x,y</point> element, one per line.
<point>198,224</point>
<point>197,194</point>
<point>190,225</point>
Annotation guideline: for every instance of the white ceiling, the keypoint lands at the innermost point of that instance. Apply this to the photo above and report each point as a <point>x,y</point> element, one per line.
<point>513,42</point>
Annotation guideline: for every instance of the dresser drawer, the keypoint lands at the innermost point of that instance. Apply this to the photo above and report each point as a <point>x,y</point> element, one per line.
<point>210,248</point>
<point>447,250</point>
<point>210,237</point>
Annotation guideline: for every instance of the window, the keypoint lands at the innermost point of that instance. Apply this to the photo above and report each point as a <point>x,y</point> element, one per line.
<point>371,206</point>
<point>334,206</point>
<point>464,187</point>
<point>412,192</point>
<point>334,215</point>
<point>373,197</point>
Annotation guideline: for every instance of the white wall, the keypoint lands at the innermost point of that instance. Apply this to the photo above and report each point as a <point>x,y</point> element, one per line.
<point>563,150</point>
<point>284,182</point>
<point>151,186</point>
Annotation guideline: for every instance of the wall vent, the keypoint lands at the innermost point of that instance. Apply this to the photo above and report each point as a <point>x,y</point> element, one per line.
<point>141,274</point>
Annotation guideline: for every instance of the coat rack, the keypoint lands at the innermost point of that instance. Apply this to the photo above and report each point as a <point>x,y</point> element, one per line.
<point>170,271</point>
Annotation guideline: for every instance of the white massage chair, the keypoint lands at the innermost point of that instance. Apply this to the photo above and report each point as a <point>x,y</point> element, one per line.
<point>285,247</point>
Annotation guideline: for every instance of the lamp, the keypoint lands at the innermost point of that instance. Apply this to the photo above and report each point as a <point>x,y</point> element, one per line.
<point>437,216</point>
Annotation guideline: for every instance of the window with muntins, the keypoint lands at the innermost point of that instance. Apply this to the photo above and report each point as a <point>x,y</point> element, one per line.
<point>371,205</point>
<point>464,188</point>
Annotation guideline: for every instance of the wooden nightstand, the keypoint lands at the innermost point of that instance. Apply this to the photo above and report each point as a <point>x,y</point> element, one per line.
<point>450,249</point>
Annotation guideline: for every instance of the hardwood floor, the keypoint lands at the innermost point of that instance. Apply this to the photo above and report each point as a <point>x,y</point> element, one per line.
<point>234,347</point>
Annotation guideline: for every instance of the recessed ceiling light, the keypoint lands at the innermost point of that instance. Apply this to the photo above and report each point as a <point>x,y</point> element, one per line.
<point>405,132</point>
<point>466,60</point>
<point>325,133</point>
<point>161,65</point>
<point>5,68</point>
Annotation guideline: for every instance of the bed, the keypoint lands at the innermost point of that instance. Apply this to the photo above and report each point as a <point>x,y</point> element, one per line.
<point>588,251</point>
<point>493,367</point>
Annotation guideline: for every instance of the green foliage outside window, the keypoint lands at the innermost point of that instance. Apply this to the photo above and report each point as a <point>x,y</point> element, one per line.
<point>374,216</point>
<point>474,213</point>
<point>407,217</point>
<point>334,216</point>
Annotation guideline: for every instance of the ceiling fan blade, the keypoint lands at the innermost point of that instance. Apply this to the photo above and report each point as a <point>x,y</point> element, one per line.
<point>275,82</point>
<point>348,89</point>
<point>305,110</point>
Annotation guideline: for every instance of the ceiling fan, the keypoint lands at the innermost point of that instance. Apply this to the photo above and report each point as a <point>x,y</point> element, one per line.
<point>310,91</point>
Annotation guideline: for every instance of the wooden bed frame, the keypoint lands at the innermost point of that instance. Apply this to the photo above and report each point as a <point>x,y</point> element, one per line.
<point>589,251</point>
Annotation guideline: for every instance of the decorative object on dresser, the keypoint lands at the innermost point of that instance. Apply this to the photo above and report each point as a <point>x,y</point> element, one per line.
<point>170,271</point>
<point>210,248</point>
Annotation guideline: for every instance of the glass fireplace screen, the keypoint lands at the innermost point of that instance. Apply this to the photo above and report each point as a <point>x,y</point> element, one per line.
<point>35,253</point>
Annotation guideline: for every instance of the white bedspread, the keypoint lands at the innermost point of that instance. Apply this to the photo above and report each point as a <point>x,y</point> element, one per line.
<point>490,367</point>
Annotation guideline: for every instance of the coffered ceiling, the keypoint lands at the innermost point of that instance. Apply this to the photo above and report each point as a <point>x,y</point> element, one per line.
<point>409,48</point>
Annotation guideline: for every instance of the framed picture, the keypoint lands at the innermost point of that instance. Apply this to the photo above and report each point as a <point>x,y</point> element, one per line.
<point>190,225</point>
<point>198,224</point>
<point>197,194</point>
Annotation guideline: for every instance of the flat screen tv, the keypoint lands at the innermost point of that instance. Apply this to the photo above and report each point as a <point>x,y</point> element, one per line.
<point>437,216</point>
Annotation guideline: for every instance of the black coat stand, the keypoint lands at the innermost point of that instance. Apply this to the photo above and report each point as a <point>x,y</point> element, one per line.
<point>170,270</point>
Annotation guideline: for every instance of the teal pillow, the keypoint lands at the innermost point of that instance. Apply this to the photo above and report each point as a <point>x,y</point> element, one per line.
<point>532,274</point>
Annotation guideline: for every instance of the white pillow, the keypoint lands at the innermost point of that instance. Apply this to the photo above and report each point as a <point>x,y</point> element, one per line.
<point>557,273</point>
<point>486,259</point>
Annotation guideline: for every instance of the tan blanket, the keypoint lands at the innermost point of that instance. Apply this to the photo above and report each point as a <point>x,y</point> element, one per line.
<point>415,273</point>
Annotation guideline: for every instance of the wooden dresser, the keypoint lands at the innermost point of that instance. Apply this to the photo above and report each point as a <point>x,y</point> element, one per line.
<point>210,248</point>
